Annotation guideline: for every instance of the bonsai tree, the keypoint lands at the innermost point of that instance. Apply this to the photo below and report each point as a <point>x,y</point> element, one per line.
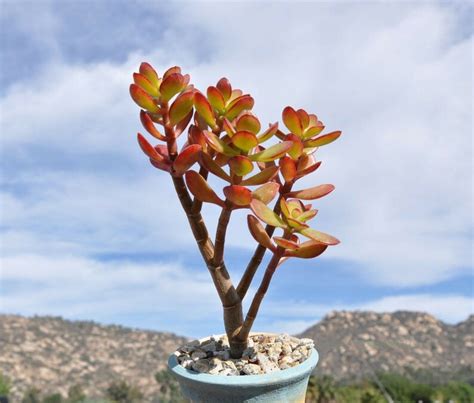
<point>225,139</point>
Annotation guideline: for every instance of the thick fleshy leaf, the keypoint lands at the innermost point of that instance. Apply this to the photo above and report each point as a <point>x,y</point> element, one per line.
<point>196,136</point>
<point>183,123</point>
<point>223,85</point>
<point>297,148</point>
<point>304,118</point>
<point>259,233</point>
<point>239,195</point>
<point>267,134</point>
<point>171,85</point>
<point>240,165</point>
<point>148,149</point>
<point>242,103</point>
<point>263,212</point>
<point>211,166</point>
<point>218,144</point>
<point>186,159</point>
<point>285,209</point>
<point>285,243</point>
<point>216,99</point>
<point>229,129</point>
<point>145,84</point>
<point>246,141</point>
<point>323,140</point>
<point>320,237</point>
<point>272,153</point>
<point>287,168</point>
<point>221,159</point>
<point>307,250</point>
<point>233,96</point>
<point>149,126</point>
<point>305,161</point>
<point>248,122</point>
<point>312,131</point>
<point>162,150</point>
<point>163,165</point>
<point>307,215</point>
<point>201,189</point>
<point>292,121</point>
<point>296,224</point>
<point>312,193</point>
<point>181,107</point>
<point>150,73</point>
<point>204,109</point>
<point>308,170</point>
<point>262,177</point>
<point>142,99</point>
<point>172,70</point>
<point>267,192</point>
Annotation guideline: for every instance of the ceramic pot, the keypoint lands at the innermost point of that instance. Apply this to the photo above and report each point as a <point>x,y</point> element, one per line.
<point>288,385</point>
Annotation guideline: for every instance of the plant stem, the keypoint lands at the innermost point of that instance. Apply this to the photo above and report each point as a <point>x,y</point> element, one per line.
<point>220,233</point>
<point>257,257</point>
<point>258,297</point>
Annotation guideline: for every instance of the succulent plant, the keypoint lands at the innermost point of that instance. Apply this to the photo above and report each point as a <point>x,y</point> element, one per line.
<point>225,138</point>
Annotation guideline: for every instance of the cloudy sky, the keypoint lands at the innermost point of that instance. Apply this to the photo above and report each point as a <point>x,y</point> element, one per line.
<point>90,230</point>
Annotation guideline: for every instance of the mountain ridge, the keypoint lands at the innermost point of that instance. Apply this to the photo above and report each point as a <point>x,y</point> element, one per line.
<point>52,353</point>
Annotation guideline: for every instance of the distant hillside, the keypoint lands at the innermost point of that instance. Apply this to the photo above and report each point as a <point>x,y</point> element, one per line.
<point>357,344</point>
<point>53,354</point>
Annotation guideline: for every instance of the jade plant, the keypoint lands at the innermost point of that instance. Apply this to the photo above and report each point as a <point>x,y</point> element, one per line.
<point>257,165</point>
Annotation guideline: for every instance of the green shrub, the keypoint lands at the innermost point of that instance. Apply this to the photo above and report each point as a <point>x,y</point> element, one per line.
<point>5,385</point>
<point>122,392</point>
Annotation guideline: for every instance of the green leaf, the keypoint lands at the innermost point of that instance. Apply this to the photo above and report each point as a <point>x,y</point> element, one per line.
<point>242,103</point>
<point>262,177</point>
<point>211,166</point>
<point>171,85</point>
<point>292,121</point>
<point>240,165</point>
<point>267,192</point>
<point>245,141</point>
<point>149,72</point>
<point>272,153</point>
<point>259,233</point>
<point>181,107</point>
<point>239,195</point>
<point>266,214</point>
<point>142,99</point>
<point>311,193</point>
<point>307,250</point>
<point>218,144</point>
<point>320,237</point>
<point>145,84</point>
<point>269,133</point>
<point>216,99</point>
<point>323,140</point>
<point>248,122</point>
<point>204,109</point>
<point>201,189</point>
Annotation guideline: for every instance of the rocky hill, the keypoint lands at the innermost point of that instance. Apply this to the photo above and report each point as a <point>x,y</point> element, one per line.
<point>53,354</point>
<point>357,344</point>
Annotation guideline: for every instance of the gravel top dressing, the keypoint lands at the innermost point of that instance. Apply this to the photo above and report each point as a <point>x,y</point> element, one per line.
<point>265,354</point>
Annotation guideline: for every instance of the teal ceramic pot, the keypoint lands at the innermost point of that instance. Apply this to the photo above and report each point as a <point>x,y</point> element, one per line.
<point>288,385</point>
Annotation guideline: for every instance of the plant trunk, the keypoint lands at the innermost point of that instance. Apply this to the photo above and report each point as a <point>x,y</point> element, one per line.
<point>233,321</point>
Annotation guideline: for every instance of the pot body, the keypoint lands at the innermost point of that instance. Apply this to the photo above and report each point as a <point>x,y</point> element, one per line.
<point>288,385</point>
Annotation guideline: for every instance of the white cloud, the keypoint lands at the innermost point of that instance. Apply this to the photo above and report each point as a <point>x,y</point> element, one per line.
<point>399,91</point>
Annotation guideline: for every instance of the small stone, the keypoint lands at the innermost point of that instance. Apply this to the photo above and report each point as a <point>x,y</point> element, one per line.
<point>201,366</point>
<point>215,366</point>
<point>266,365</point>
<point>196,355</point>
<point>187,363</point>
<point>223,355</point>
<point>307,342</point>
<point>249,354</point>
<point>251,369</point>
<point>190,346</point>
<point>209,346</point>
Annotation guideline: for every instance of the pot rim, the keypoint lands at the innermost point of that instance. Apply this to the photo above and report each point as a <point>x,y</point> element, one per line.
<point>297,371</point>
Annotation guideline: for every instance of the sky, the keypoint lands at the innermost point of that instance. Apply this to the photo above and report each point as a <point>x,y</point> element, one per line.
<point>90,230</point>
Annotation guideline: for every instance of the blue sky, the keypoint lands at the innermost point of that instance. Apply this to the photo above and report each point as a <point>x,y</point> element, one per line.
<point>90,230</point>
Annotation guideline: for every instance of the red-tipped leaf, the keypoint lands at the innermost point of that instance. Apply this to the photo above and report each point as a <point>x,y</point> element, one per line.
<point>239,195</point>
<point>312,193</point>
<point>240,165</point>
<point>145,84</point>
<point>242,103</point>
<point>171,85</point>
<point>262,177</point>
<point>245,141</point>
<point>149,72</point>
<point>249,123</point>
<point>218,144</point>
<point>292,121</point>
<point>272,153</point>
<point>267,192</point>
<point>259,233</point>
<point>149,126</point>
<point>269,133</point>
<point>285,243</point>
<point>148,149</point>
<point>287,168</point>
<point>320,237</point>
<point>307,250</point>
<point>223,85</point>
<point>211,166</point>
<point>201,189</point>
<point>142,99</point>
<point>265,214</point>
<point>204,109</point>
<point>186,159</point>
<point>216,99</point>
<point>181,107</point>
<point>323,140</point>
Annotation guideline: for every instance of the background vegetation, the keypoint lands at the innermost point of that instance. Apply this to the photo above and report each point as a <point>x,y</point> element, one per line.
<point>416,386</point>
